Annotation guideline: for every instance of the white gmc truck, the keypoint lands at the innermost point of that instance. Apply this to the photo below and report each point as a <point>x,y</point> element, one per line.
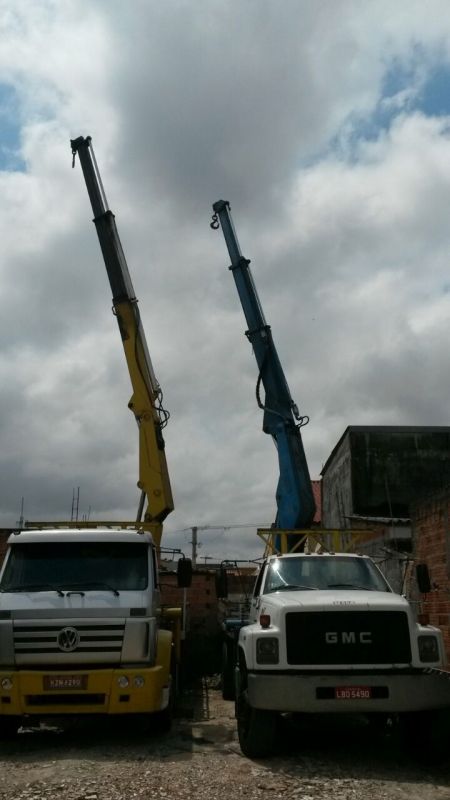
<point>328,634</point>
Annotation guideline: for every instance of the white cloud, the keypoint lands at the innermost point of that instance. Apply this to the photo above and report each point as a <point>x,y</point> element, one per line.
<point>188,102</point>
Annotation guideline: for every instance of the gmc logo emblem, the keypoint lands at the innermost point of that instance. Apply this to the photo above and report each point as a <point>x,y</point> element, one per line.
<point>348,637</point>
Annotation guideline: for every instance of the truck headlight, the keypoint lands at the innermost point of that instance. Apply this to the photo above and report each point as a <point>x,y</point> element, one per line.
<point>123,681</point>
<point>267,650</point>
<point>428,648</point>
<point>7,684</point>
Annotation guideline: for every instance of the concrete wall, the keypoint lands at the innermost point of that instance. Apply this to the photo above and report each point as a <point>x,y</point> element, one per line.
<point>379,471</point>
<point>337,501</point>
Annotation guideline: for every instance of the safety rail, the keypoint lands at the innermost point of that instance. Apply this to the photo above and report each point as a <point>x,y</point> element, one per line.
<point>144,527</point>
<point>310,541</point>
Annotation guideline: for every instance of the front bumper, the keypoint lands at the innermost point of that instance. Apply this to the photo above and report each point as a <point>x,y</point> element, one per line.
<point>391,692</point>
<point>101,693</point>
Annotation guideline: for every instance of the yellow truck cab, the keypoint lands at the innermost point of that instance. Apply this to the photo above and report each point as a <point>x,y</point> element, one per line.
<point>79,627</point>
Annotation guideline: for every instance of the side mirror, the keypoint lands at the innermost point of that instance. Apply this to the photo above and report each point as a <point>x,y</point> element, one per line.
<point>221,579</point>
<point>423,578</point>
<point>184,573</point>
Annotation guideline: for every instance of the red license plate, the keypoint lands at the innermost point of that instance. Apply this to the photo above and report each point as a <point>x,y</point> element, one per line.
<point>353,692</point>
<point>58,682</point>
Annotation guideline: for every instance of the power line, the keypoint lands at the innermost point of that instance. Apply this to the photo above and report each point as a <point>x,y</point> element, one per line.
<point>195,528</point>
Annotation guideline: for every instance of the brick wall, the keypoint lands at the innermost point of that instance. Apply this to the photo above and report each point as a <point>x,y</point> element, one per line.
<point>201,600</point>
<point>203,607</point>
<point>203,644</point>
<point>431,543</point>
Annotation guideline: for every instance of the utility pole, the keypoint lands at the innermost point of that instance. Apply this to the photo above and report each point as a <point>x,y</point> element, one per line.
<point>195,528</point>
<point>194,544</point>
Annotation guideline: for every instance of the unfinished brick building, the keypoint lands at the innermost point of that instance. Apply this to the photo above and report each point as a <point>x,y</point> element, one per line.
<point>373,477</point>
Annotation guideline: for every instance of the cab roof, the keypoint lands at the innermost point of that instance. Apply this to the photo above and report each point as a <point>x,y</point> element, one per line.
<point>319,555</point>
<point>79,535</point>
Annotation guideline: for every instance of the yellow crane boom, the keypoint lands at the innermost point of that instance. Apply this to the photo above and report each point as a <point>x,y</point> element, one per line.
<point>146,400</point>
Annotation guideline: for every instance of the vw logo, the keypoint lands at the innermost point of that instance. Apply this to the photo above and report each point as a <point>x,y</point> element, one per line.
<point>68,640</point>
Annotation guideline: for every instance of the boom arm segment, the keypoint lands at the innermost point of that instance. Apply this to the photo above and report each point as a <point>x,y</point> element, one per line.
<point>146,401</point>
<point>294,496</point>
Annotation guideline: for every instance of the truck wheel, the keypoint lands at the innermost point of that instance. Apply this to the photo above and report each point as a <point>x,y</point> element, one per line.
<point>426,734</point>
<point>164,718</point>
<point>256,729</point>
<point>228,692</point>
<point>9,727</point>
<point>379,723</point>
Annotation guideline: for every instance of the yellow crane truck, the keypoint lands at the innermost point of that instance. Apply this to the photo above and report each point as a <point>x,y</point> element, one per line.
<point>82,631</point>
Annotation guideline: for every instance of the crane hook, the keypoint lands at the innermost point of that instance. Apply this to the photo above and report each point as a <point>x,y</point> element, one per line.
<point>214,224</point>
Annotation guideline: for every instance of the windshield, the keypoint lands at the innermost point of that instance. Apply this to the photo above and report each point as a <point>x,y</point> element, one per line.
<point>113,566</point>
<point>323,572</point>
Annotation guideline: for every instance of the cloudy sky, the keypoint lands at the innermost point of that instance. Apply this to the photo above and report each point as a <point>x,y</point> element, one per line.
<point>327,126</point>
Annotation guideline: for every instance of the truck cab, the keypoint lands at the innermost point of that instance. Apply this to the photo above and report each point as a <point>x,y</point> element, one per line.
<point>79,613</point>
<point>328,635</point>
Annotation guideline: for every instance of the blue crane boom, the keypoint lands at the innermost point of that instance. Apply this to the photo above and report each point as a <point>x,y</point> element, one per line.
<point>294,495</point>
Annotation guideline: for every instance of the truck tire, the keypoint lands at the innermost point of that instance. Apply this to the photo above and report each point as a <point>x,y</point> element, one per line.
<point>380,724</point>
<point>151,724</point>
<point>426,735</point>
<point>256,728</point>
<point>228,691</point>
<point>164,718</point>
<point>9,727</point>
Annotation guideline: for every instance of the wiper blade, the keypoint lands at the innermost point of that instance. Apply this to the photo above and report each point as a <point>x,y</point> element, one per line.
<point>291,586</point>
<point>33,587</point>
<point>92,585</point>
<point>350,586</point>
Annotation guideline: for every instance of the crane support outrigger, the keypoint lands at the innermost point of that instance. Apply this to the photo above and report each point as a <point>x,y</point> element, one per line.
<point>282,420</point>
<point>146,401</point>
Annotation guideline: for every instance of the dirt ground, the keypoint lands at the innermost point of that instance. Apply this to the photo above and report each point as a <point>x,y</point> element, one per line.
<point>200,758</point>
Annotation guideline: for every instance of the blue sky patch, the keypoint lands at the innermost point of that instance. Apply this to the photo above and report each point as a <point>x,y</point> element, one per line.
<point>417,85</point>
<point>398,78</point>
<point>10,126</point>
<point>434,99</point>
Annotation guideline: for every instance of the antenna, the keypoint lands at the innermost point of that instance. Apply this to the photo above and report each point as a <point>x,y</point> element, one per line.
<point>75,505</point>
<point>21,521</point>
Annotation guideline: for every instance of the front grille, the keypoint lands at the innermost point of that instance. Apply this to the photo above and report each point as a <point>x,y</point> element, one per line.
<point>347,637</point>
<point>33,641</point>
<point>65,699</point>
